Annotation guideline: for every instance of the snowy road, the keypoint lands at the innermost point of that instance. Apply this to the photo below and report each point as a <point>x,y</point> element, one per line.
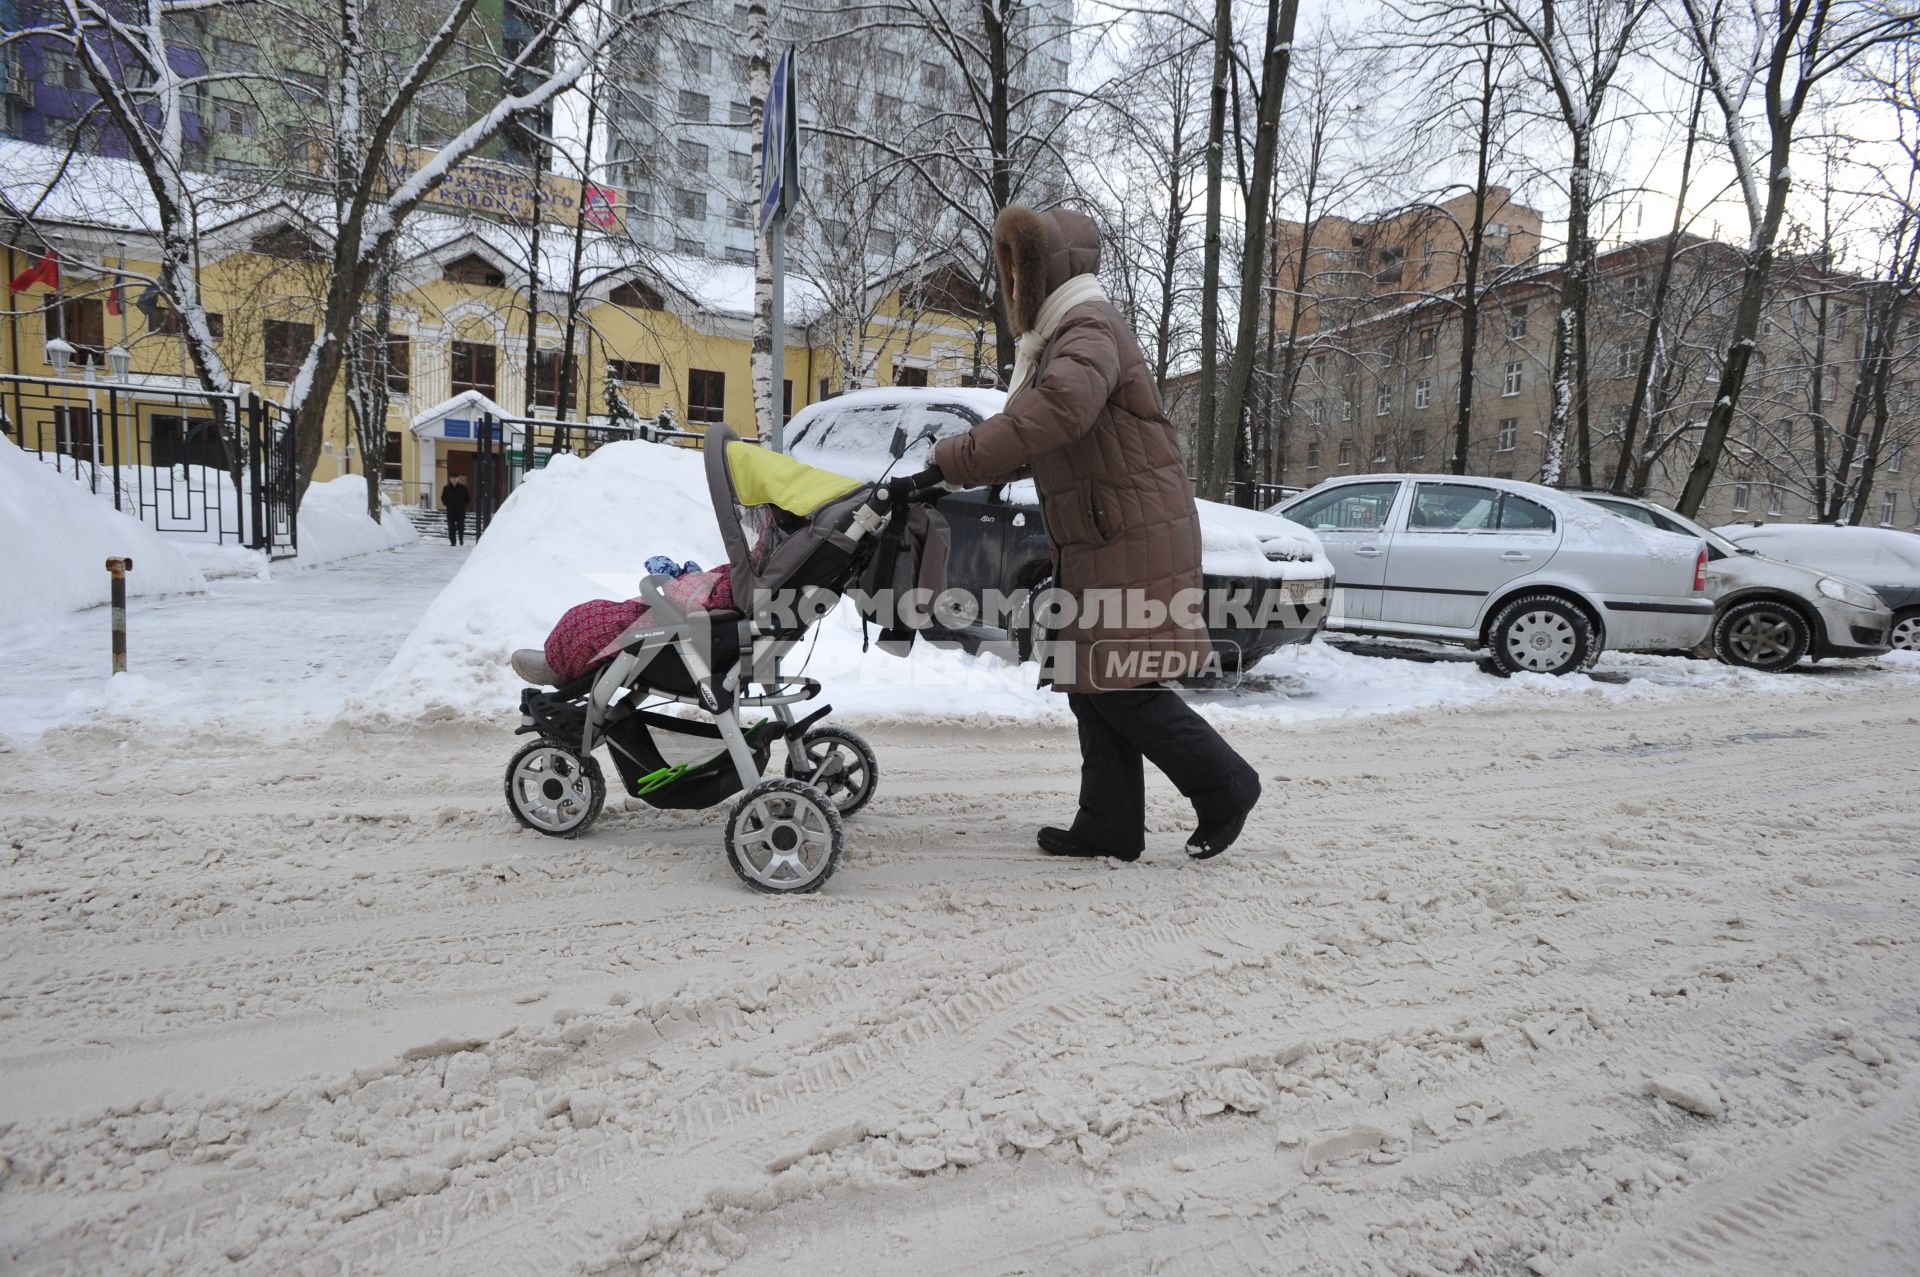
<point>312,1005</point>
<point>296,646</point>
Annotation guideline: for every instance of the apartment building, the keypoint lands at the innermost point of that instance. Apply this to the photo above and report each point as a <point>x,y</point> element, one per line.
<point>1383,393</point>
<point>681,136</point>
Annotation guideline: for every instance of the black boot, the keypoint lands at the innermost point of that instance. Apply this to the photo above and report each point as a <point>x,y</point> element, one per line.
<point>1060,842</point>
<point>1218,832</point>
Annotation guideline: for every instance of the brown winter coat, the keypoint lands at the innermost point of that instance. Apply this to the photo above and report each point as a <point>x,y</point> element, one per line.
<point>1113,490</point>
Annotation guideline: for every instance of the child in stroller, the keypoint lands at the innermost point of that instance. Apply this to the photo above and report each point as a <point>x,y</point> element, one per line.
<point>797,537</point>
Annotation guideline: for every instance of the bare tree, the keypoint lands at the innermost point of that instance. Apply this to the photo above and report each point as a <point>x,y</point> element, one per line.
<point>1763,64</point>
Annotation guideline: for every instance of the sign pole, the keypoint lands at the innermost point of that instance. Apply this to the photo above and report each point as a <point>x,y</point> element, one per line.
<point>777,249</point>
<point>779,188</point>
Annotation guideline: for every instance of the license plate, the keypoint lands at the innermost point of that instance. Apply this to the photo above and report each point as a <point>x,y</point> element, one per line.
<point>1302,591</point>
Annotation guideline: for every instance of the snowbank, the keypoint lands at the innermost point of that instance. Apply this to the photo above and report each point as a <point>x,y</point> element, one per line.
<point>576,529</point>
<point>58,537</point>
<point>584,528</point>
<point>334,523</point>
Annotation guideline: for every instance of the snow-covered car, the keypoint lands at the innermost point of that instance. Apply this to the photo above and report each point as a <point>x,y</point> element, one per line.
<point>999,541</point>
<point>1542,580</point>
<point>1885,560</point>
<point>1768,613</point>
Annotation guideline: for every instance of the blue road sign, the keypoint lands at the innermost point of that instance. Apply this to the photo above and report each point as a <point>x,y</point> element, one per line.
<point>779,144</point>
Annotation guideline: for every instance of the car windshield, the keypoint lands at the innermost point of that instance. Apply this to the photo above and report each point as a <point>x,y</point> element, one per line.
<point>866,439</point>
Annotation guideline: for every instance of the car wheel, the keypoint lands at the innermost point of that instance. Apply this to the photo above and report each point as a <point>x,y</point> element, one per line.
<point>1540,634</point>
<point>1761,634</point>
<point>1906,630</point>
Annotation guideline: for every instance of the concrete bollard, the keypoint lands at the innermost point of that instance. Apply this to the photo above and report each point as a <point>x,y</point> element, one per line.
<point>117,569</point>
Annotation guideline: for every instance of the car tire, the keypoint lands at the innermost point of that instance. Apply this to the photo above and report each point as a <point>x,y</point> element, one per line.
<point>1906,630</point>
<point>1540,634</point>
<point>1761,634</point>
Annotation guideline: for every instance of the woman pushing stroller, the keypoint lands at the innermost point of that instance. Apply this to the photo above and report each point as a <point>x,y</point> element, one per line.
<point>1083,414</point>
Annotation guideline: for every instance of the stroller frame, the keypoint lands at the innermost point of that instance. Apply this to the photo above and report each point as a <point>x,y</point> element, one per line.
<point>783,835</point>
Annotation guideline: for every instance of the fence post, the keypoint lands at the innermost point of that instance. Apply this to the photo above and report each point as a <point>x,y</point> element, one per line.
<point>249,436</point>
<point>113,429</point>
<point>117,569</point>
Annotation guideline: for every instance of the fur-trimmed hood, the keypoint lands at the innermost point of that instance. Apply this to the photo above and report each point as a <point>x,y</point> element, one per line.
<point>1050,247</point>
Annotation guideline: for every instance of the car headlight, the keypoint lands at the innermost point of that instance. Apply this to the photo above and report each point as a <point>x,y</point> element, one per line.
<point>1851,595</point>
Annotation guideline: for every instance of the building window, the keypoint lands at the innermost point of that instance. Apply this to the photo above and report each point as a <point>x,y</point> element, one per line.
<point>1317,412</point>
<point>165,321</point>
<point>398,355</point>
<point>786,399</point>
<point>1429,339</point>
<point>1383,402</point>
<point>694,108</point>
<point>1623,359</point>
<point>1313,456</point>
<point>740,216</point>
<point>693,158</point>
<point>706,395</point>
<point>1889,507</point>
<point>690,205</point>
<point>1346,452</point>
<point>1509,434</point>
<point>474,367</point>
<point>632,372</point>
<point>547,365</point>
<point>1774,498</point>
<point>474,269</point>
<point>1517,324</point>
<point>73,432</point>
<point>390,464</point>
<point>83,324</point>
<point>739,112</point>
<point>1895,455</point>
<point>1417,444</point>
<point>1380,450</point>
<point>1742,496</point>
<point>287,343</point>
<point>1422,392</point>
<point>686,246</point>
<point>636,295</point>
<point>699,58</point>
<point>1511,386</point>
<point>1636,290</point>
<point>906,376</point>
<point>1496,256</point>
<point>1346,407</point>
<point>1320,367</point>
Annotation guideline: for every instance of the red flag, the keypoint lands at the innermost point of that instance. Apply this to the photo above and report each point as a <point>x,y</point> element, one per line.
<point>45,271</point>
<point>115,305</point>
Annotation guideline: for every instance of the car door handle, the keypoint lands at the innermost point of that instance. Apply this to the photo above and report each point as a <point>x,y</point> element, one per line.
<point>1368,552</point>
<point>1517,556</point>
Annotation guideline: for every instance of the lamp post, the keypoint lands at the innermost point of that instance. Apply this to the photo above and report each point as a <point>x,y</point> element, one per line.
<point>59,354</point>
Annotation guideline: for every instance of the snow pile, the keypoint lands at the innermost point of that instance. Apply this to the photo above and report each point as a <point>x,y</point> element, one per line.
<point>1240,542</point>
<point>59,536</point>
<point>576,529</point>
<point>334,523</point>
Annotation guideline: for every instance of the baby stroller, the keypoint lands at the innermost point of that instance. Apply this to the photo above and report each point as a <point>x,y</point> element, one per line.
<point>796,538</point>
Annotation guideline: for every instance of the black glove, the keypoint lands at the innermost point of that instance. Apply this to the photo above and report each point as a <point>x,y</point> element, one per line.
<point>915,485</point>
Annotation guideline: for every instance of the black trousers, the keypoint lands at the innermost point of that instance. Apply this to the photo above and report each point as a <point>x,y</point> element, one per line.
<point>456,526</point>
<point>1118,730</point>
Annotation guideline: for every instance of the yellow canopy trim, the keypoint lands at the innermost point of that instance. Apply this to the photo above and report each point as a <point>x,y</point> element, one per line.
<point>764,477</point>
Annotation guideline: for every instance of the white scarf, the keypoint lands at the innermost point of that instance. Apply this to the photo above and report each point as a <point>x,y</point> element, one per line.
<point>1026,351</point>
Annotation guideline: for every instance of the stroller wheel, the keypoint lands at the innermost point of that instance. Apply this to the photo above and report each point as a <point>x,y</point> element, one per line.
<point>841,765</point>
<point>554,790</point>
<point>783,836</point>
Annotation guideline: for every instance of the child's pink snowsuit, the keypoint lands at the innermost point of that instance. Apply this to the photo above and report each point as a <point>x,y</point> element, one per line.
<point>590,633</point>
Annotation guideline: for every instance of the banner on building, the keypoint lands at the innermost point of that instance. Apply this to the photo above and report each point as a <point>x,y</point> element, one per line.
<point>493,189</point>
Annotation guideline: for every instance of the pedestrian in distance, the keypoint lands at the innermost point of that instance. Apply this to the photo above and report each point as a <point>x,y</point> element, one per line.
<point>454,499</point>
<point>1084,417</point>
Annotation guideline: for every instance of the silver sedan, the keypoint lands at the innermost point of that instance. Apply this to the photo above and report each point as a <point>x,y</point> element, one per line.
<point>1542,580</point>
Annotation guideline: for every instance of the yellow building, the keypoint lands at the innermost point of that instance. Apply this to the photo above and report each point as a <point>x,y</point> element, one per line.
<point>666,334</point>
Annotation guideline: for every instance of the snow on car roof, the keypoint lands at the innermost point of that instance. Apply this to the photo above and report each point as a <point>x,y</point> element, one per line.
<point>1882,556</point>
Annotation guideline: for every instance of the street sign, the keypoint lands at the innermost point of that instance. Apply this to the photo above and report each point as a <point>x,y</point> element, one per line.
<point>780,145</point>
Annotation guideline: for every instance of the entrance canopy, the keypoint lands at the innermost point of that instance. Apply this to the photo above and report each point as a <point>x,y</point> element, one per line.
<point>459,419</point>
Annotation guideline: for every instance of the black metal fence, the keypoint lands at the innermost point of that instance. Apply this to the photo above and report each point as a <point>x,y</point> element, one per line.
<point>211,466</point>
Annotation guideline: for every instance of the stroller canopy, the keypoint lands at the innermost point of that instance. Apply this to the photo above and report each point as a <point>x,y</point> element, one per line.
<point>748,484</point>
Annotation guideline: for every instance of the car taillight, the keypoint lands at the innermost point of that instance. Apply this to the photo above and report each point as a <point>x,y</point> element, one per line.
<point>1700,571</point>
